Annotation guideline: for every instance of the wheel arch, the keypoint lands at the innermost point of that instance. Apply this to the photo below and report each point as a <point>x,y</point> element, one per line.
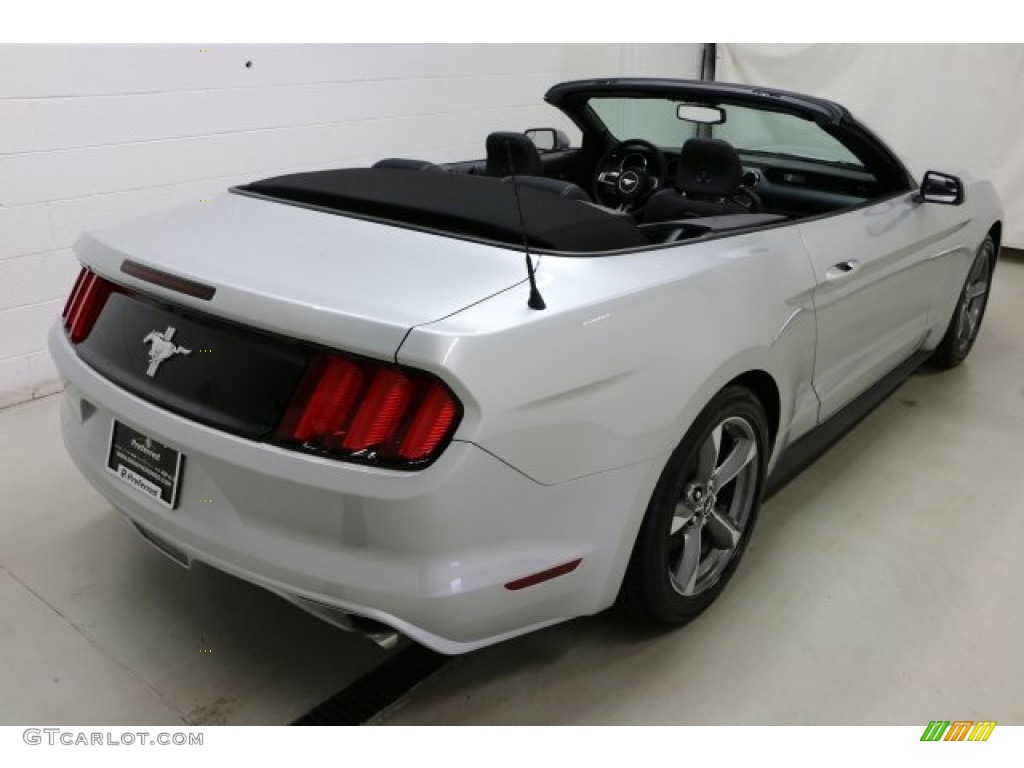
<point>996,232</point>
<point>762,384</point>
<point>753,391</point>
<point>752,370</point>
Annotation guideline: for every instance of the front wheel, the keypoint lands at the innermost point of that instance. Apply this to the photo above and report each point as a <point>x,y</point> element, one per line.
<point>702,513</point>
<point>970,310</point>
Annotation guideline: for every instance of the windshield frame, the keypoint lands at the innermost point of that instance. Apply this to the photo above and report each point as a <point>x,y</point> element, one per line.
<point>878,159</point>
<point>654,125</point>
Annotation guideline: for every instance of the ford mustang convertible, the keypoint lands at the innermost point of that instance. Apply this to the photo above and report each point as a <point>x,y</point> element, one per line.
<point>463,401</point>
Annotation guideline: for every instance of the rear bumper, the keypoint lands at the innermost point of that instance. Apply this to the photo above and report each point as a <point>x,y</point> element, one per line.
<point>427,552</point>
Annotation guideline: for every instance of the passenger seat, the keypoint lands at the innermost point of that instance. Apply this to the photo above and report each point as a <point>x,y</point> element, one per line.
<point>512,154</point>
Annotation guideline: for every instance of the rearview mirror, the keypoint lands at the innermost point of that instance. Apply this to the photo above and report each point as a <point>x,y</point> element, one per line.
<point>548,139</point>
<point>700,113</point>
<point>941,188</point>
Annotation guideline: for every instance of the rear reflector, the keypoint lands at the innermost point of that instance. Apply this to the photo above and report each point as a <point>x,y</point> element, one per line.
<point>542,576</point>
<point>370,412</point>
<point>88,296</point>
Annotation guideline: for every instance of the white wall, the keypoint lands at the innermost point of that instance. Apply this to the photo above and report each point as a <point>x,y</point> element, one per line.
<point>941,107</point>
<point>92,135</point>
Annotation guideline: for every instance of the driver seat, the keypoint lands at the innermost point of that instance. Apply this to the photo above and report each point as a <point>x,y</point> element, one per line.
<point>709,171</point>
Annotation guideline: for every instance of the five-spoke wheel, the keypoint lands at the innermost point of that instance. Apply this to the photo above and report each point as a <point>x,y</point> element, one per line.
<point>970,309</point>
<point>713,510</point>
<point>702,512</point>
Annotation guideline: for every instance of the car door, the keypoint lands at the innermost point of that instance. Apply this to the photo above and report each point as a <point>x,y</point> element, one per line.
<point>876,282</point>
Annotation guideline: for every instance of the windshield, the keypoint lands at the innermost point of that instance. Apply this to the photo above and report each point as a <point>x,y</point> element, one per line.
<point>749,130</point>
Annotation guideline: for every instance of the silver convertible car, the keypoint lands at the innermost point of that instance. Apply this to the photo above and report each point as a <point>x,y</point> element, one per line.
<point>461,402</point>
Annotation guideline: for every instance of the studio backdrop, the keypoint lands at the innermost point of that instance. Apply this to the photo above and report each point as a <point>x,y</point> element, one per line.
<point>941,107</point>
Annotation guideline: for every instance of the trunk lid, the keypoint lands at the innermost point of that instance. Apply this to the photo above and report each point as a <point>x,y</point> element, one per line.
<point>334,280</point>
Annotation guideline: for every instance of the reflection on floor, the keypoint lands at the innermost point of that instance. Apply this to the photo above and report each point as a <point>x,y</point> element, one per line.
<point>883,585</point>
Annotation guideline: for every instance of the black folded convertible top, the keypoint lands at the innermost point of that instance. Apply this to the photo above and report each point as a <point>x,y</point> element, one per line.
<point>457,204</point>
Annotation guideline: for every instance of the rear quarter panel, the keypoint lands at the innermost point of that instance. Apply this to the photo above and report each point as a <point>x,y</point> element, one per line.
<point>630,349</point>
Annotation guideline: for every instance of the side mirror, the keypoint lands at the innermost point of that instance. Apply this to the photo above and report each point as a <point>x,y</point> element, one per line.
<point>941,188</point>
<point>548,139</point>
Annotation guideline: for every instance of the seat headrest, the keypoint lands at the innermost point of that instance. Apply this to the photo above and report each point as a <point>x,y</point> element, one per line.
<point>404,163</point>
<point>708,167</point>
<point>558,187</point>
<point>512,154</point>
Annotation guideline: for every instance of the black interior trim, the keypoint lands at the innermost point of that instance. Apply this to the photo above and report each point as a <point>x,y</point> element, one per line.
<point>686,229</point>
<point>567,95</point>
<point>459,204</point>
<point>785,222</point>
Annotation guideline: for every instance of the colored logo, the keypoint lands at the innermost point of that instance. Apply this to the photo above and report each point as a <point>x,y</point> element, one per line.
<point>958,730</point>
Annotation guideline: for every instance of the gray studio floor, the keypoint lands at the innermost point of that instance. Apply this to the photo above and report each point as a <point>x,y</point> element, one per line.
<point>884,585</point>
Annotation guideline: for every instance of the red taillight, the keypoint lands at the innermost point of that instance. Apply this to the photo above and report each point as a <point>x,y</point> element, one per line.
<point>85,303</point>
<point>431,424</point>
<point>322,405</point>
<point>73,297</point>
<point>382,409</point>
<point>371,412</point>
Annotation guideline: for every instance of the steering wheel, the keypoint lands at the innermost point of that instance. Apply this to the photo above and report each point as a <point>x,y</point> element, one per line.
<point>628,174</point>
<point>747,198</point>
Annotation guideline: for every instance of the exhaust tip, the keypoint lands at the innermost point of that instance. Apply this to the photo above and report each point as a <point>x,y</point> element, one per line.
<point>379,634</point>
<point>163,546</point>
<point>376,632</point>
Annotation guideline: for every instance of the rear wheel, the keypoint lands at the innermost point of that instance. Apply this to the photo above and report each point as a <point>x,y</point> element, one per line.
<point>970,310</point>
<point>702,512</point>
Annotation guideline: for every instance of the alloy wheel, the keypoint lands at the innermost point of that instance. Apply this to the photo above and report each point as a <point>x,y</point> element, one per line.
<point>972,303</point>
<point>714,507</point>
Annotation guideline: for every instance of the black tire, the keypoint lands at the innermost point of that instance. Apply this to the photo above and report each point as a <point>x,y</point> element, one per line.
<point>684,512</point>
<point>965,323</point>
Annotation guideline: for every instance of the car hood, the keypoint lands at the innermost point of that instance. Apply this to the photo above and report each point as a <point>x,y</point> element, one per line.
<point>327,278</point>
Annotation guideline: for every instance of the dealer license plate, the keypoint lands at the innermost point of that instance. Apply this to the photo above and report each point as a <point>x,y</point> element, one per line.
<point>146,465</point>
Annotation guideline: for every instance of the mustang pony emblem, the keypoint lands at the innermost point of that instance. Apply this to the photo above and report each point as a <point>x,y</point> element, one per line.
<point>162,348</point>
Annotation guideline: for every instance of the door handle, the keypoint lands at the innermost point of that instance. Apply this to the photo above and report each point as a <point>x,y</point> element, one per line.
<point>842,269</point>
